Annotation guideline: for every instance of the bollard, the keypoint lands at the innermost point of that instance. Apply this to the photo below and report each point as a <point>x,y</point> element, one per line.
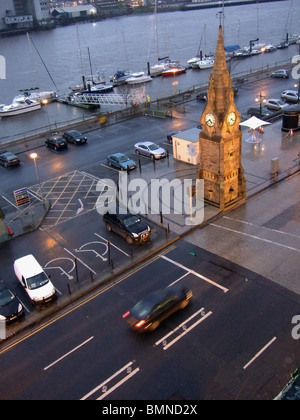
<point>76,269</point>
<point>109,254</point>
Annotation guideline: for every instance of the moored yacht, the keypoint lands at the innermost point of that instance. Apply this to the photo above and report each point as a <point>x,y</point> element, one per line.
<point>138,78</point>
<point>21,105</point>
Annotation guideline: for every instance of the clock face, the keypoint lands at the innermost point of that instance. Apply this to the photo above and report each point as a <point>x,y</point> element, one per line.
<point>231,119</point>
<point>210,120</point>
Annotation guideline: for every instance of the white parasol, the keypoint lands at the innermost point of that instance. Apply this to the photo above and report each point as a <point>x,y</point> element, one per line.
<point>253,124</point>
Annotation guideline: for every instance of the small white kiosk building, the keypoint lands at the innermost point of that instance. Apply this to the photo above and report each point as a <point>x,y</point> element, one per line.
<point>186,146</point>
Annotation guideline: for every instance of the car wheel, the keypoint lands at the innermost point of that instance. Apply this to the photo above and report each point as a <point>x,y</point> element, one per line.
<point>129,240</point>
<point>108,227</point>
<point>109,164</point>
<point>137,152</point>
<point>184,304</point>
<point>154,326</point>
<point>152,157</point>
<point>55,148</point>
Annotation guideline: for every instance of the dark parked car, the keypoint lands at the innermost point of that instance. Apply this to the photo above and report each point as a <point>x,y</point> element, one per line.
<point>121,162</point>
<point>9,159</point>
<point>156,307</point>
<point>10,307</point>
<point>129,226</point>
<point>260,112</point>
<point>75,137</point>
<point>56,143</point>
<point>171,135</point>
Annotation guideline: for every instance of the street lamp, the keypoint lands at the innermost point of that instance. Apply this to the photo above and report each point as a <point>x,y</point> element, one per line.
<point>297,85</point>
<point>34,157</point>
<point>262,100</point>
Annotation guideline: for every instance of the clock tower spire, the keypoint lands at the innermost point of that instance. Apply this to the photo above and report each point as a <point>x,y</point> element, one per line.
<point>221,138</point>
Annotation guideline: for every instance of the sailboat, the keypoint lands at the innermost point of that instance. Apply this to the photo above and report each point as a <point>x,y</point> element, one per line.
<point>201,61</point>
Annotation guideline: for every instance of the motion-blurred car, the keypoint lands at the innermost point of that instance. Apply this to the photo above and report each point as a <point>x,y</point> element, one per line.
<point>276,104</point>
<point>56,143</point>
<point>8,159</point>
<point>156,307</point>
<point>150,150</point>
<point>75,137</point>
<point>121,162</point>
<point>280,74</point>
<point>129,226</point>
<point>291,96</point>
<point>10,307</point>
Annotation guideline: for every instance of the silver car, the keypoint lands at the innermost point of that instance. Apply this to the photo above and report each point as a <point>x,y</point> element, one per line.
<point>150,150</point>
<point>280,74</point>
<point>290,96</point>
<point>276,104</point>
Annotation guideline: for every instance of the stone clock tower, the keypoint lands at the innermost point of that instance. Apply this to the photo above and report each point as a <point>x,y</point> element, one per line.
<point>221,139</point>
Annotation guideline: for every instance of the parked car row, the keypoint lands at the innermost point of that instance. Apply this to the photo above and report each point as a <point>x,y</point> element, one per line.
<point>36,284</point>
<point>60,142</point>
<point>55,142</point>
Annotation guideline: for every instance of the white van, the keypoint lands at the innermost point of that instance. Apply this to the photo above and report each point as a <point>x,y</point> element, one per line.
<point>34,280</point>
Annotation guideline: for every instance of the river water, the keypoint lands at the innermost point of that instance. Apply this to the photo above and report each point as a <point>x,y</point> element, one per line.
<point>129,43</point>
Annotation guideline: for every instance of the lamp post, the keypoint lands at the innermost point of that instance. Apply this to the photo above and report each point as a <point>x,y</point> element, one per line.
<point>262,100</point>
<point>34,157</point>
<point>297,85</point>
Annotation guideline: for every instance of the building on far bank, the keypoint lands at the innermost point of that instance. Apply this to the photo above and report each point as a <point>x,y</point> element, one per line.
<point>23,14</point>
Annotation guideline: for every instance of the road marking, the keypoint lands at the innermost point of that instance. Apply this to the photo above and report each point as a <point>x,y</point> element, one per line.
<point>178,280</point>
<point>179,326</point>
<point>110,167</point>
<point>255,237</point>
<point>89,268</point>
<point>68,354</point>
<point>10,202</point>
<point>261,227</point>
<point>81,208</point>
<point>119,249</point>
<point>185,329</point>
<point>195,274</point>
<point>102,386</point>
<point>260,352</point>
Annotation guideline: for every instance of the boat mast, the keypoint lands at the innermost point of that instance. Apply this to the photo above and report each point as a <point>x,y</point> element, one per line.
<point>33,63</point>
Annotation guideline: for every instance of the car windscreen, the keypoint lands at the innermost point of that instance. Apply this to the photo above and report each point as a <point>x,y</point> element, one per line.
<point>145,307</point>
<point>75,133</point>
<point>6,297</point>
<point>153,147</point>
<point>123,159</point>
<point>37,281</point>
<point>131,221</point>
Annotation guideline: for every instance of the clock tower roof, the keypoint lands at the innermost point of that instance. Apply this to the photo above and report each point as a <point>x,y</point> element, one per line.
<point>220,92</point>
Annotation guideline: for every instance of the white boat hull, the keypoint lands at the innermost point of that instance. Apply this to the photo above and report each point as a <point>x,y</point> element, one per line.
<point>10,111</point>
<point>139,80</point>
